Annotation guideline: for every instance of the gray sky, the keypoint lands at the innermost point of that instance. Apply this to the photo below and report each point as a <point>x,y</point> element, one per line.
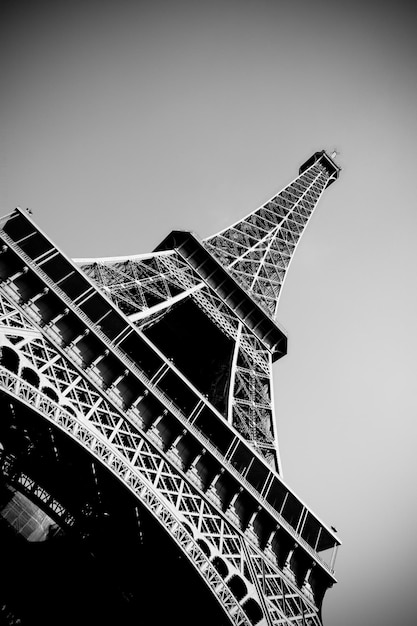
<point>123,120</point>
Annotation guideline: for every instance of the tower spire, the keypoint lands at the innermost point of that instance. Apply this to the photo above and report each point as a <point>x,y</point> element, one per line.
<point>148,380</point>
<point>257,250</point>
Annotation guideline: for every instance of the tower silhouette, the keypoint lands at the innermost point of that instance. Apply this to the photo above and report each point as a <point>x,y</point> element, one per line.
<point>137,441</point>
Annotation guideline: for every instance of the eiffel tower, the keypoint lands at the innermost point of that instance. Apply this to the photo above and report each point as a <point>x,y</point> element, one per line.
<point>140,474</point>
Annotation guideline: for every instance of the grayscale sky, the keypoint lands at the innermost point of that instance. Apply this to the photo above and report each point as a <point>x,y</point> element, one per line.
<point>123,120</point>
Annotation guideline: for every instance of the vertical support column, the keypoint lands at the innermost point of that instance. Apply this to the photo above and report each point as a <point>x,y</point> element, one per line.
<point>233,375</point>
<point>334,554</point>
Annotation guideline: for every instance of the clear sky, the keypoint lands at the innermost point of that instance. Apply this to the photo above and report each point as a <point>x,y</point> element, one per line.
<point>123,120</point>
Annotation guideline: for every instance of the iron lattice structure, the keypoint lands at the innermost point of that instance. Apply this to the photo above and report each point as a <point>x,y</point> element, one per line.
<point>158,367</point>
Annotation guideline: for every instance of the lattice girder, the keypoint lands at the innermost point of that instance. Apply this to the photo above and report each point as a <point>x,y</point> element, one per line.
<point>87,364</point>
<point>113,276</point>
<point>113,440</point>
<point>252,249</point>
<point>58,335</point>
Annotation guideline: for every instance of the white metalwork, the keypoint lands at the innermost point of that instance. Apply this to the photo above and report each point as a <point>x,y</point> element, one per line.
<point>154,476</point>
<point>54,347</point>
<point>256,252</point>
<point>146,287</point>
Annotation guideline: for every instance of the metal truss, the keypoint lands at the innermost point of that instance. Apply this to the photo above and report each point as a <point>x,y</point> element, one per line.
<point>142,283</point>
<point>146,287</point>
<point>251,408</point>
<point>257,250</point>
<point>209,537</point>
<point>29,309</point>
<point>250,539</point>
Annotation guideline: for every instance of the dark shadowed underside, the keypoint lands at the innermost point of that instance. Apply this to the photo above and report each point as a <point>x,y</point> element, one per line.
<point>114,567</point>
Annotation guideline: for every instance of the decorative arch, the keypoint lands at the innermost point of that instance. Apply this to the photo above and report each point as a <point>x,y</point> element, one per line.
<point>238,587</point>
<point>30,376</point>
<point>9,359</point>
<point>204,547</point>
<point>96,445</point>
<point>51,393</point>
<point>220,566</point>
<point>253,611</point>
<point>68,408</point>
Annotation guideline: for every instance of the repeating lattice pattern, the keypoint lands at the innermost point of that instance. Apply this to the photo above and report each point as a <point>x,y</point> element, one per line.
<point>252,403</point>
<point>148,283</point>
<point>156,477</point>
<point>140,283</point>
<point>257,250</point>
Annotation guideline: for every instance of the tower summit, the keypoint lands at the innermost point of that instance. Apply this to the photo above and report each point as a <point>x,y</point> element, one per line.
<point>148,378</point>
<point>257,250</point>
